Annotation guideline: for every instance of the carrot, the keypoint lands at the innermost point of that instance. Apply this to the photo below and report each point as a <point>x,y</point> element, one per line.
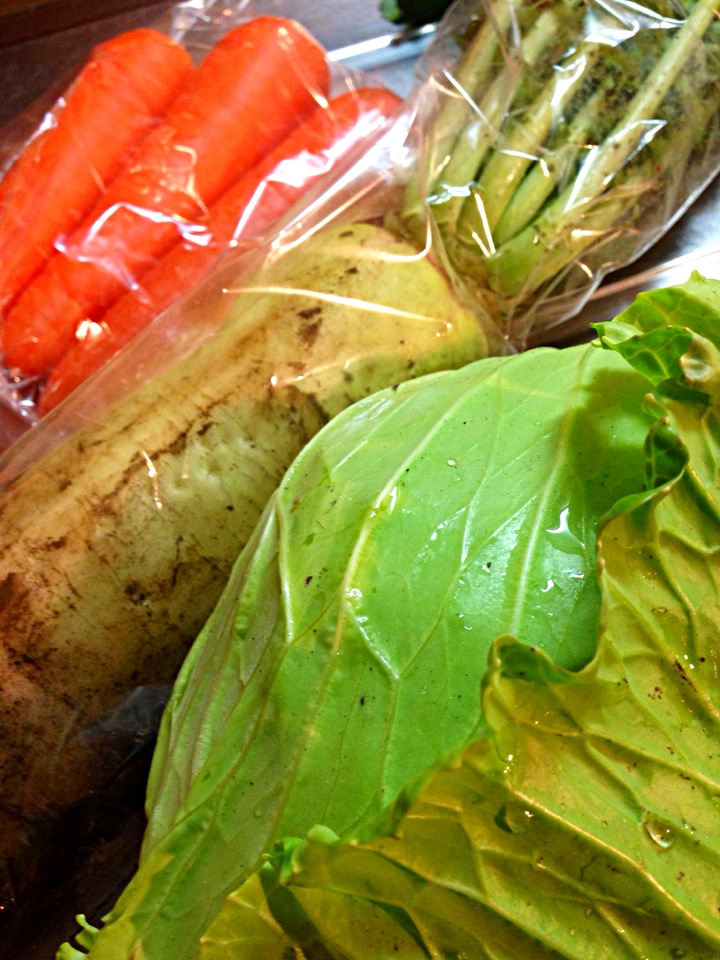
<point>253,87</point>
<point>253,204</point>
<point>127,82</point>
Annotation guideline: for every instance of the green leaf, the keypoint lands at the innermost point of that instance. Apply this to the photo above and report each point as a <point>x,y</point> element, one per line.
<point>586,823</point>
<point>348,649</point>
<point>390,10</point>
<point>85,939</point>
<point>414,13</point>
<point>693,305</point>
<point>672,337</point>
<point>347,654</point>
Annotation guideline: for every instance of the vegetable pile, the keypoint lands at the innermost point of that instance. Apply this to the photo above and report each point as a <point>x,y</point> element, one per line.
<point>566,141</point>
<point>398,603</point>
<point>475,637</point>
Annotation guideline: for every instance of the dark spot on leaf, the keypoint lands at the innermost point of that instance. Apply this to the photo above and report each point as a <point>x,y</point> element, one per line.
<point>683,673</point>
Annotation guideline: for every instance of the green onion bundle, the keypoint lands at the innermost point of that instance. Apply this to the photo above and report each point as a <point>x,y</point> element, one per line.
<point>567,138</point>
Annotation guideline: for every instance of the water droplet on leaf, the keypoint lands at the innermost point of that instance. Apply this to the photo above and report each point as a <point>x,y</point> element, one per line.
<point>662,834</point>
<point>563,538</point>
<point>514,818</point>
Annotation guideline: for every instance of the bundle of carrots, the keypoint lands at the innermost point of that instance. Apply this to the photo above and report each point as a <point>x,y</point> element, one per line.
<point>152,170</point>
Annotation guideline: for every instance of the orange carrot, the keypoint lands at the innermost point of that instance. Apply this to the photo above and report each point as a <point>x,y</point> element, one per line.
<point>126,84</point>
<point>252,205</point>
<point>252,88</point>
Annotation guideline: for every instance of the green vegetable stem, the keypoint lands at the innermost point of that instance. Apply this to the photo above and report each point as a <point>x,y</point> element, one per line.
<point>570,136</point>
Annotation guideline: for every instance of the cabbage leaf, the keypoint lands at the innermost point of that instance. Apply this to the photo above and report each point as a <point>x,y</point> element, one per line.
<point>474,636</point>
<point>586,821</point>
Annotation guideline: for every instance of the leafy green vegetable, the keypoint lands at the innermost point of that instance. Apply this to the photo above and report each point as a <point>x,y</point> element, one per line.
<point>344,664</point>
<point>414,13</point>
<point>586,821</point>
<point>555,156</point>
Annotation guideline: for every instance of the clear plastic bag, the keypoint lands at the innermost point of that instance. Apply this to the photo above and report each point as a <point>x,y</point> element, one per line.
<point>546,147</point>
<point>128,190</point>
<point>558,142</point>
